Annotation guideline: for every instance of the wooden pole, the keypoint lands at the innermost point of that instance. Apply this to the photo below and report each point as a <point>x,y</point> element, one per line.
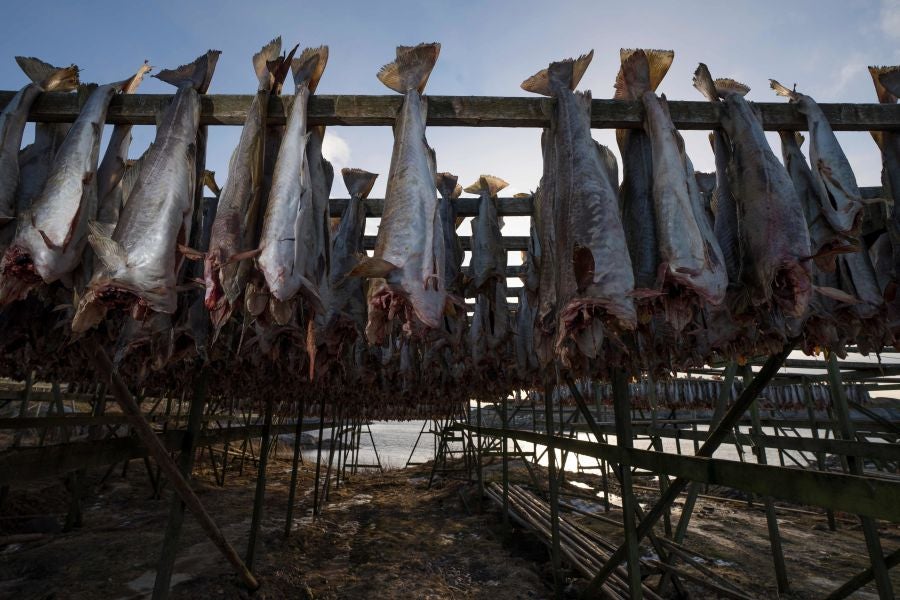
<point>715,439</point>
<point>555,556</point>
<point>319,457</point>
<point>298,433</point>
<point>622,409</point>
<point>176,511</point>
<point>154,446</point>
<point>870,531</point>
<point>505,455</point>
<point>260,495</point>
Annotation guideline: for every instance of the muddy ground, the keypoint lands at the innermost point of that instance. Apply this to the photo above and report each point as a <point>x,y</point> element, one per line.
<point>380,536</point>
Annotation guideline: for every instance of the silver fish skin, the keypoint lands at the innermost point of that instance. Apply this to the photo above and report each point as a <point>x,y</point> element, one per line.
<point>314,238</point>
<point>595,279</point>
<point>774,236</point>
<point>347,294</point>
<point>44,78</point>
<point>636,191</point>
<point>689,257</point>
<point>50,243</point>
<point>526,359</point>
<point>450,190</point>
<point>229,238</point>
<point>112,167</point>
<point>291,192</point>
<point>407,269</point>
<point>840,200</point>
<point>141,258</point>
<point>725,213</point>
<point>488,254</point>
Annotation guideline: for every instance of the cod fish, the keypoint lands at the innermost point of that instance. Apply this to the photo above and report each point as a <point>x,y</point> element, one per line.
<point>282,250</point>
<point>407,269</point>
<point>44,78</point>
<point>691,270</point>
<point>141,257</point>
<point>347,294</point>
<point>774,239</point>
<point>839,197</point>
<point>450,190</point>
<point>49,244</point>
<point>636,191</point>
<point>229,237</point>
<point>488,254</point>
<point>586,245</point>
<point>111,186</point>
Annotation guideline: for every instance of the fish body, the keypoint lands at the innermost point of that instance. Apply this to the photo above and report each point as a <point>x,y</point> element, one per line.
<point>49,244</point>
<point>488,254</point>
<point>450,190</point>
<point>291,192</point>
<point>840,200</point>
<point>773,233</point>
<point>407,269</point>
<point>594,279</point>
<point>141,257</point>
<point>44,78</point>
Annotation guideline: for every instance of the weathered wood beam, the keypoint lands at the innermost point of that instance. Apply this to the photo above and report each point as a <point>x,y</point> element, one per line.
<point>510,242</point>
<point>459,111</point>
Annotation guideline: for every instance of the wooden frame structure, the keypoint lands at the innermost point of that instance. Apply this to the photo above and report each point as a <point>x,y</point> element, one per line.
<point>860,492</point>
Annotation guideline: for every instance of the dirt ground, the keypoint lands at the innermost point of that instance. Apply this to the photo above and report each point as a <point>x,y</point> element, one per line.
<point>380,536</point>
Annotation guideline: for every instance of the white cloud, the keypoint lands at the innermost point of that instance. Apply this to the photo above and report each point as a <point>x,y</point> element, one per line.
<point>336,150</point>
<point>890,18</point>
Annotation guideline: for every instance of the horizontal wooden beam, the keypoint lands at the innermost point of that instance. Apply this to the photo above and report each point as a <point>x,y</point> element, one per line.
<point>25,464</point>
<point>459,111</point>
<point>510,242</point>
<point>860,495</point>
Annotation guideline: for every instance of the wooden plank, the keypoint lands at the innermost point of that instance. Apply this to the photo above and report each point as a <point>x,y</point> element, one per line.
<point>510,242</point>
<point>849,493</point>
<point>458,111</point>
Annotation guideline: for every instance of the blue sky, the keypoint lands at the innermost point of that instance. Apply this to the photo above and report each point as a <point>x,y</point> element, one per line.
<point>488,48</point>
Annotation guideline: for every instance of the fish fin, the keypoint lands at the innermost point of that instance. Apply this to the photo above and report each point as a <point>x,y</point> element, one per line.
<point>48,242</point>
<point>373,267</point>
<point>446,184</point>
<point>411,69</point>
<point>660,61</point>
<point>309,66</point>
<point>726,87</point>
<point>560,74</point>
<point>609,162</point>
<point>884,96</point>
<point>130,85</point>
<point>267,55</point>
<point>281,311</point>
<point>190,253</point>
<point>889,79</point>
<point>244,255</point>
<point>198,73</point>
<point>209,180</point>
<point>109,251</point>
<point>101,229</point>
<point>132,172</point>
<point>781,90</point>
<point>489,183</point>
<point>657,65</point>
<point>50,78</point>
<point>704,83</point>
<point>836,294</point>
<point>310,293</point>
<point>358,181</point>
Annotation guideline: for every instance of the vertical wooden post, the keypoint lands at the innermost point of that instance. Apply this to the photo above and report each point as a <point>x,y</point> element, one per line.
<point>176,510</point>
<point>771,519</point>
<point>23,407</point>
<point>505,455</point>
<point>319,457</point>
<point>298,433</point>
<point>624,439</point>
<point>478,469</point>
<point>820,456</point>
<point>847,431</point>
<point>260,495</point>
<point>555,556</point>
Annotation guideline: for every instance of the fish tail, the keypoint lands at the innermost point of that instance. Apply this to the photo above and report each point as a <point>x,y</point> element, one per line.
<point>792,137</point>
<point>308,68</point>
<point>704,83</point>
<point>889,79</point>
<point>489,183</point>
<point>130,85</point>
<point>561,74</point>
<point>198,73</point>
<point>658,64</point>
<point>263,61</point>
<point>884,96</point>
<point>358,181</point>
<point>446,184</point>
<point>726,87</point>
<point>411,69</point>
<point>50,78</point>
<point>782,90</point>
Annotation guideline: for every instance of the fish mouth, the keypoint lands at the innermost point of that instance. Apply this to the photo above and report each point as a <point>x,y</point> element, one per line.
<point>791,289</point>
<point>18,275</point>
